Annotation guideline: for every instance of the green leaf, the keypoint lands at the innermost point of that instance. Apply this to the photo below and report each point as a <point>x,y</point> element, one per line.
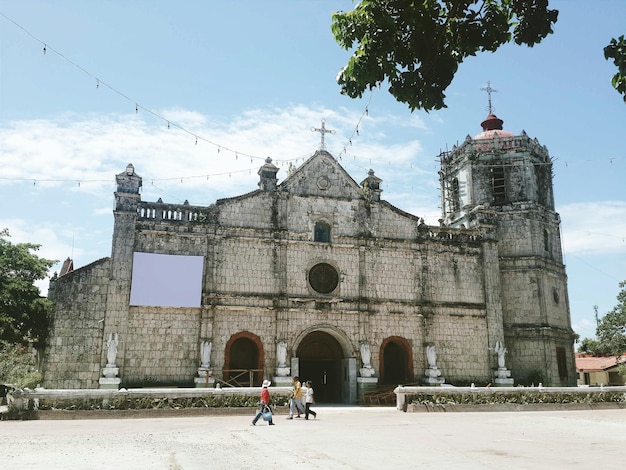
<point>417,47</point>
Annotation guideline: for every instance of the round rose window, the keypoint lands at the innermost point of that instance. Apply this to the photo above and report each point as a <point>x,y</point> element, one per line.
<point>323,278</point>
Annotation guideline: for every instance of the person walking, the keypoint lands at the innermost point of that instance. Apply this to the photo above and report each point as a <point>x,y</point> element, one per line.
<point>310,400</point>
<point>304,390</point>
<point>265,404</point>
<point>296,398</point>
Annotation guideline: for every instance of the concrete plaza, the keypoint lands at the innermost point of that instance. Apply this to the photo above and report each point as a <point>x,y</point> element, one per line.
<point>340,438</point>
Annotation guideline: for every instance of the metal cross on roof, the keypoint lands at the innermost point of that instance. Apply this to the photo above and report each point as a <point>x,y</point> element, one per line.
<point>489,91</point>
<point>322,130</point>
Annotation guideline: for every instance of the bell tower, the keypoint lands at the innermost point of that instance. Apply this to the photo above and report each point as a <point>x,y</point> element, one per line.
<point>503,181</point>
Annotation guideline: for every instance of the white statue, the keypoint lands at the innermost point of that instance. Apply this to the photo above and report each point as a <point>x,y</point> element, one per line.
<point>431,355</point>
<point>205,354</point>
<point>112,343</point>
<point>501,351</point>
<point>281,353</point>
<point>366,355</point>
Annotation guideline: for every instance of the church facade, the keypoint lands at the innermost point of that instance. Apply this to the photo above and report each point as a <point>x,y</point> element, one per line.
<point>318,276</point>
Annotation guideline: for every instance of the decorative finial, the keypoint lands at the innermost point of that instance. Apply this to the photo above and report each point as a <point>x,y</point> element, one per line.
<point>322,130</point>
<point>489,91</point>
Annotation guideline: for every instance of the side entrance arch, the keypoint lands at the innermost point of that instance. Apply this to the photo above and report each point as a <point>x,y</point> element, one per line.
<point>396,365</point>
<point>244,360</point>
<point>322,360</point>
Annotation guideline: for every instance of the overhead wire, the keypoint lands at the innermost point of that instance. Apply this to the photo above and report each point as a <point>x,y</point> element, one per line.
<point>169,122</point>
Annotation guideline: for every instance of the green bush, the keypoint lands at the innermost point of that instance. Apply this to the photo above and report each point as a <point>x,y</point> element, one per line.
<point>18,366</point>
<point>523,397</point>
<point>230,401</point>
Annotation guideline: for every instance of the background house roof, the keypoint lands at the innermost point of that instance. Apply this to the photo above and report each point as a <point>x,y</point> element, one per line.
<point>591,363</point>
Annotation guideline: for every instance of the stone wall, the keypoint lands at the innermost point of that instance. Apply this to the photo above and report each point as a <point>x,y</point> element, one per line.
<point>462,345</point>
<point>458,289</point>
<point>386,289</point>
<point>160,346</point>
<point>72,359</point>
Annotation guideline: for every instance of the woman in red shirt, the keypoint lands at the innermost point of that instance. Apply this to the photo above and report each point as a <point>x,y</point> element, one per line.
<point>265,403</point>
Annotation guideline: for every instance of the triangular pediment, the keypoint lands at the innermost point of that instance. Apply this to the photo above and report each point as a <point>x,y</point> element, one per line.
<point>321,175</point>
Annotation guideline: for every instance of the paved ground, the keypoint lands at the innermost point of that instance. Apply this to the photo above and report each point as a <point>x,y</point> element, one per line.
<point>340,438</point>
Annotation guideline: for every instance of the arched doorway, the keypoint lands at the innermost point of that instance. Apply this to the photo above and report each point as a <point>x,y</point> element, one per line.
<point>244,360</point>
<point>320,361</point>
<point>396,366</point>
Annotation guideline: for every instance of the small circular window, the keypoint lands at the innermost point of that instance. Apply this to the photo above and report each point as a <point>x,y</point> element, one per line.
<point>323,183</point>
<point>323,278</point>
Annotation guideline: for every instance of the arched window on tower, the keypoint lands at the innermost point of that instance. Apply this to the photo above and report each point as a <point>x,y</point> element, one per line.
<point>497,184</point>
<point>546,240</point>
<point>543,175</point>
<point>456,197</point>
<point>322,232</point>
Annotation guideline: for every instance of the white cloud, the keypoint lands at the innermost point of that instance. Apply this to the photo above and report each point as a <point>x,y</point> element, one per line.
<point>597,227</point>
<point>22,231</point>
<point>87,151</point>
<point>47,235</point>
<point>63,169</point>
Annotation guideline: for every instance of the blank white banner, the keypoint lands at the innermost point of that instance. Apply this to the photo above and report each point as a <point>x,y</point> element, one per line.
<point>166,280</point>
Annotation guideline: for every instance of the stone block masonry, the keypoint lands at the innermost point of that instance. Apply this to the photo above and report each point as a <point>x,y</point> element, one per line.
<point>323,266</point>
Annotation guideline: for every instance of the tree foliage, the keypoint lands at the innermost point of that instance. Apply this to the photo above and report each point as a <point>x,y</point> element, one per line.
<point>417,46</point>
<point>23,311</point>
<point>592,346</point>
<point>611,330</point>
<point>616,50</point>
<point>18,366</point>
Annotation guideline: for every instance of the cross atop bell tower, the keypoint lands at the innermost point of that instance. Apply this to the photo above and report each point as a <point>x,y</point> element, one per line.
<point>489,91</point>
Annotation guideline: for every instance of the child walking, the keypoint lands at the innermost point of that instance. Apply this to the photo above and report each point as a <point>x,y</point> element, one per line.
<point>310,400</point>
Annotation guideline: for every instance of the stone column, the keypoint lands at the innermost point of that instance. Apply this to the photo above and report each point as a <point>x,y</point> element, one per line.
<point>127,199</point>
<point>493,302</point>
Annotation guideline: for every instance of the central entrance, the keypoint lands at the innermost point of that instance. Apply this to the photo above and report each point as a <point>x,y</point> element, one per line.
<point>321,361</point>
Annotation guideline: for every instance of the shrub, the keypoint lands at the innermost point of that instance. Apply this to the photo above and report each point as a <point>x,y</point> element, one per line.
<point>522,397</point>
<point>18,366</point>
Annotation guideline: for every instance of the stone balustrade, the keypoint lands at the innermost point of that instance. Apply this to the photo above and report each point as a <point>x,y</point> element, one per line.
<point>172,212</point>
<point>404,394</point>
<point>486,146</point>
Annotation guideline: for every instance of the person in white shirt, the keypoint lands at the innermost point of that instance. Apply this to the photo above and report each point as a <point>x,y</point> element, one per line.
<point>310,400</point>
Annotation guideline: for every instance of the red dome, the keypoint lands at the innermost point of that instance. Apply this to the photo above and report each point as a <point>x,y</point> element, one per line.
<point>492,127</point>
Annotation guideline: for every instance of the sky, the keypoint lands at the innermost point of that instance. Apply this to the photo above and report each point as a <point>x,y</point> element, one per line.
<point>196,94</point>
